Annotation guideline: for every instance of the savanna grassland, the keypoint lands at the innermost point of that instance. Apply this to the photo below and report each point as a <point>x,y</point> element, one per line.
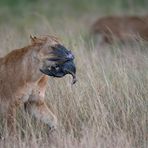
<point>108,106</point>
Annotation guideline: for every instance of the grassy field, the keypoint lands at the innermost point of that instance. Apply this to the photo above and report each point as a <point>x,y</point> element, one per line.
<point>108,106</point>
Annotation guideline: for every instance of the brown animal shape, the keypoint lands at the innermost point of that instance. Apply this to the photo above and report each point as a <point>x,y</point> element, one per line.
<point>121,28</point>
<point>23,78</point>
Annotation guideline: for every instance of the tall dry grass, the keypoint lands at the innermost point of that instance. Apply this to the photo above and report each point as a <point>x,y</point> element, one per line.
<point>106,108</point>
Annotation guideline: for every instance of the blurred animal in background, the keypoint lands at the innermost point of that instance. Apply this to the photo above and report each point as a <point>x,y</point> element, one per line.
<point>121,28</point>
<point>24,75</point>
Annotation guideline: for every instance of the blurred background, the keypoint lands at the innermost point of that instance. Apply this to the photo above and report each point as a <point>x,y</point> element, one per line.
<point>71,8</point>
<point>21,12</point>
<point>59,16</point>
<point>33,13</point>
<point>60,8</point>
<point>108,104</point>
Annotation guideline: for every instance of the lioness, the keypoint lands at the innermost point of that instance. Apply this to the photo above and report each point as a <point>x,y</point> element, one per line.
<point>23,77</point>
<point>121,28</point>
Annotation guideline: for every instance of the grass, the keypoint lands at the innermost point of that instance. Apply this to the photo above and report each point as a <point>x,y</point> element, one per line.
<point>107,107</point>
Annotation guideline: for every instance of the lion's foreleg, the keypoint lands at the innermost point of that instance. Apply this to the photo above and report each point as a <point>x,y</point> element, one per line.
<point>39,109</point>
<point>11,116</point>
<point>11,120</point>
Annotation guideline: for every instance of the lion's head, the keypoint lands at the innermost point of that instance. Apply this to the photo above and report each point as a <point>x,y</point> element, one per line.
<point>57,61</point>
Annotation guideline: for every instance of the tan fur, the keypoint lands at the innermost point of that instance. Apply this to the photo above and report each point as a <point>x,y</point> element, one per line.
<point>21,81</point>
<point>121,28</point>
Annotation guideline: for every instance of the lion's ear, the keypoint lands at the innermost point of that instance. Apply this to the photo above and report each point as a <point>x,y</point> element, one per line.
<point>35,40</point>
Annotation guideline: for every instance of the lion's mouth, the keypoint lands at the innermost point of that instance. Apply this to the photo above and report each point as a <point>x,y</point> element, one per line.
<point>61,70</point>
